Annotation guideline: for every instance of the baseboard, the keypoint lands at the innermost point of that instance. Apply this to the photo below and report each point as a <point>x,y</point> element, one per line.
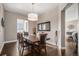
<point>11,41</point>
<point>61,51</point>
<point>63,48</point>
<point>51,45</point>
<point>1,46</point>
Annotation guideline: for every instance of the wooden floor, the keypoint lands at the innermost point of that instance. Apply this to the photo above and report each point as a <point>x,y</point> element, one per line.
<point>10,49</point>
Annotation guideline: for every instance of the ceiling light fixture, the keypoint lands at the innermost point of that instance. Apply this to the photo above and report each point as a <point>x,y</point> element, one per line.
<point>33,16</point>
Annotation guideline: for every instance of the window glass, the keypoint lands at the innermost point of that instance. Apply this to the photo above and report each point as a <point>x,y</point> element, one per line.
<point>22,25</point>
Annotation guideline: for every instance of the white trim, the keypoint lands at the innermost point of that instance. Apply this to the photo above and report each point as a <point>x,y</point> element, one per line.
<point>63,48</point>
<point>51,44</point>
<point>59,51</point>
<point>11,41</point>
<point>1,46</point>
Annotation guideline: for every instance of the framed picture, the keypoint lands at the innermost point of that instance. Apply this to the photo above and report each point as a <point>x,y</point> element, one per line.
<point>2,22</point>
<point>45,26</point>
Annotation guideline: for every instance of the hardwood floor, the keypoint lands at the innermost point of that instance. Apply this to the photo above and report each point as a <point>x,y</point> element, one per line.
<point>10,49</point>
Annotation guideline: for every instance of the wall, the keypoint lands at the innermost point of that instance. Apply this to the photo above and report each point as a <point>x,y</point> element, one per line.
<point>78,36</point>
<point>78,29</point>
<point>32,25</point>
<point>52,16</point>
<point>71,13</point>
<point>1,28</point>
<point>74,23</point>
<point>11,25</point>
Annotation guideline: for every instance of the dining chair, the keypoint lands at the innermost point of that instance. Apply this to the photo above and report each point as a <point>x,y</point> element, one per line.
<point>41,45</point>
<point>22,44</point>
<point>26,34</point>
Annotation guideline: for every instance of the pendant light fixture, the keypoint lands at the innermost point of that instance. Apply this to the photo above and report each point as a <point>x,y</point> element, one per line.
<point>33,16</point>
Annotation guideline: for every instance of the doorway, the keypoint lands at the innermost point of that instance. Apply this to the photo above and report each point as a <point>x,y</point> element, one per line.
<point>71,29</point>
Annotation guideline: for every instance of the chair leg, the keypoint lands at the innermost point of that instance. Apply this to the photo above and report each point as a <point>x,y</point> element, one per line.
<point>22,51</point>
<point>32,50</point>
<point>19,52</point>
<point>39,51</point>
<point>45,51</point>
<point>28,48</point>
<point>19,49</point>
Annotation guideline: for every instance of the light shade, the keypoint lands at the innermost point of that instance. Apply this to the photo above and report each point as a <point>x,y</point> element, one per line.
<point>32,17</point>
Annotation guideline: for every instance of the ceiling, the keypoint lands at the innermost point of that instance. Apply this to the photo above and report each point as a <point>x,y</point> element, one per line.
<point>25,8</point>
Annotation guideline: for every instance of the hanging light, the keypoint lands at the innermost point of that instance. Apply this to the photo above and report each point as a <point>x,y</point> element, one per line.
<point>33,16</point>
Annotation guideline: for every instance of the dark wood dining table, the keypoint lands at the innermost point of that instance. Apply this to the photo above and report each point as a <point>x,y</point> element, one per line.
<point>32,38</point>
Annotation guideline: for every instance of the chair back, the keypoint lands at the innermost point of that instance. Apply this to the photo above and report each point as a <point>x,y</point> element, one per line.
<point>26,34</point>
<point>20,38</point>
<point>43,38</point>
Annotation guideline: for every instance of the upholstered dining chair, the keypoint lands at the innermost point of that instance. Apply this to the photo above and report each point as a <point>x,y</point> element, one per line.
<point>41,45</point>
<point>22,44</point>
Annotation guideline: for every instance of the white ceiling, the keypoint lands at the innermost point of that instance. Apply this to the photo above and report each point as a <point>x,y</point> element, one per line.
<point>25,8</point>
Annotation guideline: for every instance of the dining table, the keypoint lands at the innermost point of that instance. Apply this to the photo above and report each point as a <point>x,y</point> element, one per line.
<point>32,39</point>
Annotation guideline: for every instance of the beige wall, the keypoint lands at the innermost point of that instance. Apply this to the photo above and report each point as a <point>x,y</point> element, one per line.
<point>32,25</point>
<point>11,25</point>
<point>1,28</point>
<point>78,36</point>
<point>72,11</point>
<point>78,29</point>
<point>74,23</point>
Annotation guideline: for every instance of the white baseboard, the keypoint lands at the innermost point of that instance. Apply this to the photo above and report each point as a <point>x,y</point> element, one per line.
<point>63,48</point>
<point>1,46</point>
<point>51,44</point>
<point>10,41</point>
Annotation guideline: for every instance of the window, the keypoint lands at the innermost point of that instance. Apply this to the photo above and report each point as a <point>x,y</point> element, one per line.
<point>22,25</point>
